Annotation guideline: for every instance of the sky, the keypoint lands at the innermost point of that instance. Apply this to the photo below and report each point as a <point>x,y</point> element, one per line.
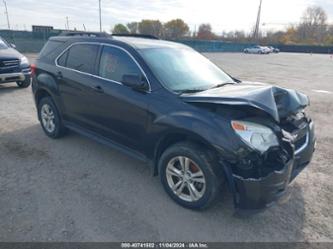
<point>223,15</point>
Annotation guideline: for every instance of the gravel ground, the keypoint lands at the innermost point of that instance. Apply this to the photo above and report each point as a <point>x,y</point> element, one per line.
<point>75,189</point>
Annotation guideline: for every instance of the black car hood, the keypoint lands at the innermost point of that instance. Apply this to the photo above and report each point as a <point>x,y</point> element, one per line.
<point>9,53</point>
<point>277,102</point>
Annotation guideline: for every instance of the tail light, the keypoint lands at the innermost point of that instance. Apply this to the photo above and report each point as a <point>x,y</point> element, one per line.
<point>33,69</point>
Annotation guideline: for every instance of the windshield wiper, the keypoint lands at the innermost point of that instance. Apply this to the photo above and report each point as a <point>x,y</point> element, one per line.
<point>195,90</point>
<point>223,84</point>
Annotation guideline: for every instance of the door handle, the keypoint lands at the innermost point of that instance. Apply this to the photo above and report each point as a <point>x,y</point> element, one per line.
<point>59,75</point>
<point>98,89</point>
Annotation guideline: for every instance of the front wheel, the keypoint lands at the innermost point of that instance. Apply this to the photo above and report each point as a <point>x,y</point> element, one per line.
<point>23,84</point>
<point>189,176</point>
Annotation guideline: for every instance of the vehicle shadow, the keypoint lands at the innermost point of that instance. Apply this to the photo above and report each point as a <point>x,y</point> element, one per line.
<point>8,87</point>
<point>87,191</point>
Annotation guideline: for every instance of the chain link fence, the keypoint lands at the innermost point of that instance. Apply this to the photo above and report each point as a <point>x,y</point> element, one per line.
<point>32,42</point>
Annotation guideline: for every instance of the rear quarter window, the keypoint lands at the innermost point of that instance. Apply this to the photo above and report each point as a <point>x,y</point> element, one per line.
<point>51,50</point>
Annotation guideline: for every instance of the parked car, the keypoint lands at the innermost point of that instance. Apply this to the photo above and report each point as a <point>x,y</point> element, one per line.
<point>166,104</point>
<point>14,67</point>
<point>274,50</point>
<point>257,50</point>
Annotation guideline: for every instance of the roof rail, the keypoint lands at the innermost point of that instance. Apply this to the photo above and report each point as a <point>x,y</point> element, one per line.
<point>84,33</point>
<point>137,35</point>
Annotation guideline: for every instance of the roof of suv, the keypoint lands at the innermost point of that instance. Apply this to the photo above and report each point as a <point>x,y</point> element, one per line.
<point>141,43</point>
<point>133,41</point>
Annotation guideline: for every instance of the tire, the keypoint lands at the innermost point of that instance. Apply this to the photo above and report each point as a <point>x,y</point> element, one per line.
<point>47,111</point>
<point>200,162</point>
<point>23,84</point>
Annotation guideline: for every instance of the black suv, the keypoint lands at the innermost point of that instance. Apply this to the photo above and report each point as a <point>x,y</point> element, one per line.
<point>14,67</point>
<point>166,104</point>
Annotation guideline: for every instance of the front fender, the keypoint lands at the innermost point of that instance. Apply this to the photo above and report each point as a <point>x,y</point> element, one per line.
<point>195,126</point>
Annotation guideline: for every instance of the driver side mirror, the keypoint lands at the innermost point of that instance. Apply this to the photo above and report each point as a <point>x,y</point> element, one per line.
<point>13,45</point>
<point>135,82</point>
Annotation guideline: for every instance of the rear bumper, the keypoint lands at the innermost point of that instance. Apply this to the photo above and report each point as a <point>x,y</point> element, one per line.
<point>24,75</point>
<point>256,194</point>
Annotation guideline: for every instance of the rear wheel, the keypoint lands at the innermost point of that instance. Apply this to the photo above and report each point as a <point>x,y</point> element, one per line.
<point>49,118</point>
<point>188,175</point>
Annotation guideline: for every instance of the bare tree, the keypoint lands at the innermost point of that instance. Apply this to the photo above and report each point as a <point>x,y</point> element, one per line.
<point>313,25</point>
<point>133,27</point>
<point>151,27</point>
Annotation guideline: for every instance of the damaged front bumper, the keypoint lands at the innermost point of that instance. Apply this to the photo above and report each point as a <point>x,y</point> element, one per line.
<point>262,192</point>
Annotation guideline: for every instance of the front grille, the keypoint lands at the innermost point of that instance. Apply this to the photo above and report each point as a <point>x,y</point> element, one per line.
<point>8,63</point>
<point>10,66</point>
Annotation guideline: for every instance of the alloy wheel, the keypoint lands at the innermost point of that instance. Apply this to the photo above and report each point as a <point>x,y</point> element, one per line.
<point>48,118</point>
<point>185,179</point>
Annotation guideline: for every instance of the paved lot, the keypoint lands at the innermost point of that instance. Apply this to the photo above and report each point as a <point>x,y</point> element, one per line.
<point>75,189</point>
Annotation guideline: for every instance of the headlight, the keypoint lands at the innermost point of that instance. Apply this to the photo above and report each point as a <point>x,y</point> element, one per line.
<point>255,135</point>
<point>24,61</point>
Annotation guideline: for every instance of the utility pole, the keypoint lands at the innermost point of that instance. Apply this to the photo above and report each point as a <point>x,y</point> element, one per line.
<point>257,27</point>
<point>100,16</point>
<point>67,23</point>
<point>6,13</point>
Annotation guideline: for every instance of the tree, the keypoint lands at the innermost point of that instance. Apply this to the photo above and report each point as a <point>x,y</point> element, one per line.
<point>175,29</point>
<point>120,29</point>
<point>313,26</point>
<point>151,27</point>
<point>205,32</point>
<point>133,27</point>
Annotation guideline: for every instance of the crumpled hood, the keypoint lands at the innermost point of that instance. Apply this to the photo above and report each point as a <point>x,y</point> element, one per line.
<point>277,102</point>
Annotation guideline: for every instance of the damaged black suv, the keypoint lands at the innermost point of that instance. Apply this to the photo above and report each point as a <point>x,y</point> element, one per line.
<point>166,104</point>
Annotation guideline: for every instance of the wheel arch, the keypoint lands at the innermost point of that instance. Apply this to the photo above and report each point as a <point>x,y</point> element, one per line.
<point>41,93</point>
<point>175,137</point>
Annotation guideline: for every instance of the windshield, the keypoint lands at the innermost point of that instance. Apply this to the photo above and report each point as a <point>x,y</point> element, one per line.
<point>183,69</point>
<point>3,44</point>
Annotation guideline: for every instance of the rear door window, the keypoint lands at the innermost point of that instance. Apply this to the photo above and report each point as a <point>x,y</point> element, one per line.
<point>115,63</point>
<point>82,57</point>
